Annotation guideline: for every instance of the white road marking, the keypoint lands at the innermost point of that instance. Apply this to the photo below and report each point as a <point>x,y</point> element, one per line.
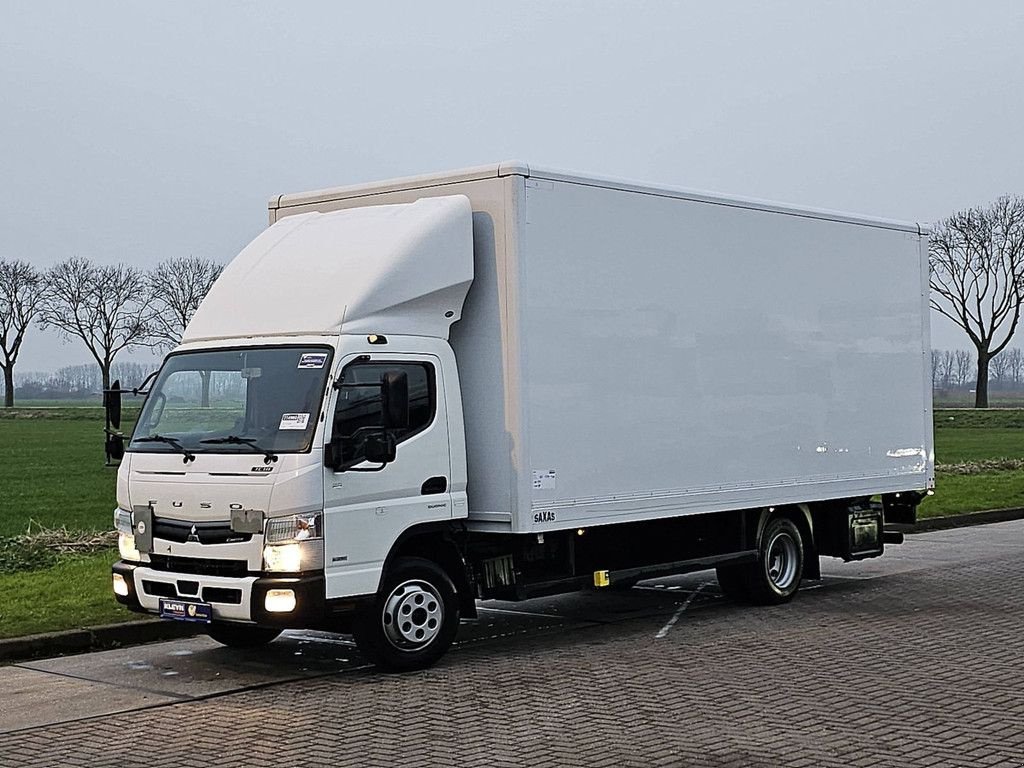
<point>682,608</point>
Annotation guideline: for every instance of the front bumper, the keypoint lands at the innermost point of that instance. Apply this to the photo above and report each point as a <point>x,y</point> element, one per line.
<point>240,599</point>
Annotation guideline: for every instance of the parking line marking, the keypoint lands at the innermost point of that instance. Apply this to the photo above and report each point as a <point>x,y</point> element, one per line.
<point>675,616</point>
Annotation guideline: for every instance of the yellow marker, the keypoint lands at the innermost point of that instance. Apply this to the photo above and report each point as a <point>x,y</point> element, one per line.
<point>601,579</point>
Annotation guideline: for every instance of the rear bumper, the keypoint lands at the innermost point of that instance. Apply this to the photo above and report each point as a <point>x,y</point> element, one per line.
<point>231,599</point>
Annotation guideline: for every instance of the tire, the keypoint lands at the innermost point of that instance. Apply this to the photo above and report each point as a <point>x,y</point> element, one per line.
<point>413,619</point>
<point>775,577</point>
<point>241,635</point>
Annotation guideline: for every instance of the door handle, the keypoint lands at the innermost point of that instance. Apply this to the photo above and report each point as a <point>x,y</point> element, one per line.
<point>434,485</point>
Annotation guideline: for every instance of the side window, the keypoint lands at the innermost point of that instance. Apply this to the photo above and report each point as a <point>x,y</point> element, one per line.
<point>358,410</point>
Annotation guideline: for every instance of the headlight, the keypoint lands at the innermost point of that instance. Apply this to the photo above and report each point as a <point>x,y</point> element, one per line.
<point>294,528</point>
<point>126,546</point>
<point>285,558</point>
<point>122,521</point>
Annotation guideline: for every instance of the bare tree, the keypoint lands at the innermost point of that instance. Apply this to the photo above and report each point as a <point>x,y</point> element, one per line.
<point>108,308</point>
<point>977,277</point>
<point>936,369</point>
<point>999,368</point>
<point>178,286</point>
<point>1016,360</point>
<point>21,294</point>
<point>948,368</point>
<point>963,363</point>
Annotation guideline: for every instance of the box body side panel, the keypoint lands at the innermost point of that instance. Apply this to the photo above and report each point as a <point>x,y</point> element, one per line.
<point>683,357</point>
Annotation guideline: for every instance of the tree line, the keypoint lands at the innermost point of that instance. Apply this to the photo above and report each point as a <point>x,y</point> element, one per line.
<point>956,369</point>
<point>78,382</point>
<point>109,309</point>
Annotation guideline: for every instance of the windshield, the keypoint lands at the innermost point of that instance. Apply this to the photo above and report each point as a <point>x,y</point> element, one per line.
<point>251,400</point>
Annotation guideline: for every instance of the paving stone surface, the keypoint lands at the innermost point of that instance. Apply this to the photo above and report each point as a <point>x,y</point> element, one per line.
<point>920,667</point>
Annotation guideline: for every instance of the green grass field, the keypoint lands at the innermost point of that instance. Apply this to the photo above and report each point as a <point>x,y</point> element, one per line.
<point>53,475</point>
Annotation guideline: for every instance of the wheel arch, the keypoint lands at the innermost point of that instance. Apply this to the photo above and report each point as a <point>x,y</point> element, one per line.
<point>436,542</point>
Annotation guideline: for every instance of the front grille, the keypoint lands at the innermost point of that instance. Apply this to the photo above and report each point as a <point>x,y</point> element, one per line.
<point>222,595</point>
<point>198,565</point>
<point>180,531</point>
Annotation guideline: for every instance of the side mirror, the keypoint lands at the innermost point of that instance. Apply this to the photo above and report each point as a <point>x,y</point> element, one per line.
<point>112,404</point>
<point>381,448</point>
<point>114,447</point>
<point>394,399</point>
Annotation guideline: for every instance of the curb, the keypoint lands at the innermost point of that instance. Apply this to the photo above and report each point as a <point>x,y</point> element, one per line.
<point>92,639</point>
<point>153,630</point>
<point>963,521</point>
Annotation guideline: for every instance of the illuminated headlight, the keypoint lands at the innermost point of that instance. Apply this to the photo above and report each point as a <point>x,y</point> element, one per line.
<point>120,585</point>
<point>285,558</point>
<point>126,546</point>
<point>279,601</point>
<point>294,528</point>
<point>122,521</point>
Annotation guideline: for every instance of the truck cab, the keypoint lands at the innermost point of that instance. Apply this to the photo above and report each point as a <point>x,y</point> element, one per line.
<point>269,477</point>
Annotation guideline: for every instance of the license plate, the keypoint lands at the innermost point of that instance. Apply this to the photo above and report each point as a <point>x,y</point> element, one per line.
<point>184,610</point>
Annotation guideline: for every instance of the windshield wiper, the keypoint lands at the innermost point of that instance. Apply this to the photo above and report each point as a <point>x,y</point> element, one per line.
<point>268,456</point>
<point>189,456</point>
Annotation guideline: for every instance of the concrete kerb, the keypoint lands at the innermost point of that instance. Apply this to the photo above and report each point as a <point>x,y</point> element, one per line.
<point>962,521</point>
<point>154,630</point>
<point>93,639</point>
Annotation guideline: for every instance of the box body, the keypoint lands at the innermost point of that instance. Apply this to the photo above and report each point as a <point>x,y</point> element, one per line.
<point>630,352</point>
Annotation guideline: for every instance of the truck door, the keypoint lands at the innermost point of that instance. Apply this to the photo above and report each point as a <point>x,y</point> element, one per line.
<point>366,511</point>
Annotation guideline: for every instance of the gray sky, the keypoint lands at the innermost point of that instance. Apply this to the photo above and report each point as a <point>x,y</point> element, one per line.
<point>137,131</point>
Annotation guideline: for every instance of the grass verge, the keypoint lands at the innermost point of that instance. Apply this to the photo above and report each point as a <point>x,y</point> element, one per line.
<point>74,593</point>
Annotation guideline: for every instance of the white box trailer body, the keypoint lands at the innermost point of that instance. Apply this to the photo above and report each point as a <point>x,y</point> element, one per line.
<point>631,352</point>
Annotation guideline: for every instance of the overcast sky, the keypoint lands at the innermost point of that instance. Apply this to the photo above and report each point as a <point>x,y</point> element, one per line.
<point>139,131</point>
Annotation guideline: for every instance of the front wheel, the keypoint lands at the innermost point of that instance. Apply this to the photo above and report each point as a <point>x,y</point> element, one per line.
<point>413,619</point>
<point>241,635</point>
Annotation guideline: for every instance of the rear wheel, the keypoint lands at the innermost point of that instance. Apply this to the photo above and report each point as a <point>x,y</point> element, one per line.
<point>776,576</point>
<point>241,635</point>
<point>413,619</point>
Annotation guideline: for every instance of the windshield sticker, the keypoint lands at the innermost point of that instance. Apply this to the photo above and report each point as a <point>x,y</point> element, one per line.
<point>294,420</point>
<point>313,360</point>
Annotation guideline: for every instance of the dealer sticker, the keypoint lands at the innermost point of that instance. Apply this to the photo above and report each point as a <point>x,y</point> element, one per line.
<point>313,360</point>
<point>294,421</point>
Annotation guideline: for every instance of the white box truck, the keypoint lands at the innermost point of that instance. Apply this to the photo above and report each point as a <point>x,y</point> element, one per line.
<point>504,382</point>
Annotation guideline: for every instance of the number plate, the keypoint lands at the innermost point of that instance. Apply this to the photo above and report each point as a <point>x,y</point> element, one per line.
<point>184,610</point>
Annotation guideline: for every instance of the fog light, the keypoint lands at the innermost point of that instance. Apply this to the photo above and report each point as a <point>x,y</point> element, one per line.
<point>126,546</point>
<point>280,601</point>
<point>120,585</point>
<point>284,558</point>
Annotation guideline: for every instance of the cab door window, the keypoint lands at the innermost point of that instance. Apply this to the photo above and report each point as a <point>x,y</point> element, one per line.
<point>358,411</point>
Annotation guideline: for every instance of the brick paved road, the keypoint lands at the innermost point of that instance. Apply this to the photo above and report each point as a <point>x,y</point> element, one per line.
<point>920,665</point>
